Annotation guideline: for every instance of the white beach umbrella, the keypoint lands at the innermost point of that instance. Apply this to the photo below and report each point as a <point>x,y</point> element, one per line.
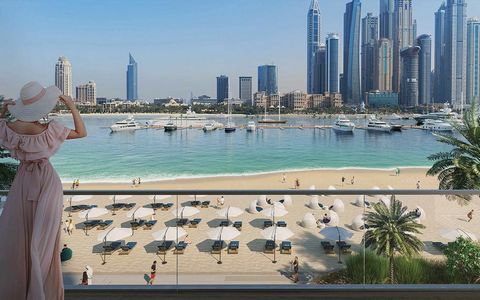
<point>358,223</point>
<point>93,212</point>
<point>390,187</point>
<point>360,201</point>
<point>262,200</point>
<point>312,187</point>
<point>169,234</point>
<point>79,198</point>
<point>223,233</point>
<point>453,234</point>
<point>186,211</point>
<point>423,214</point>
<point>338,206</point>
<point>334,219</point>
<point>313,203</point>
<point>140,212</point>
<point>336,233</point>
<point>276,233</point>
<point>230,212</point>
<point>274,211</point>
<point>252,208</point>
<point>114,234</point>
<point>309,221</point>
<point>331,188</point>
<point>3,198</point>
<point>287,200</point>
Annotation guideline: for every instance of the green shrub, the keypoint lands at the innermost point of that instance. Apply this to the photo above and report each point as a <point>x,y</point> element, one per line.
<point>375,268</point>
<point>463,261</point>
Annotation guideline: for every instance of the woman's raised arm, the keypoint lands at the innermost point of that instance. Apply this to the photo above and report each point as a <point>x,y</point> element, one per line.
<point>80,131</point>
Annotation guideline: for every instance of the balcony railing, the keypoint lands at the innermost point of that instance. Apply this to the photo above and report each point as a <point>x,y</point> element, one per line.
<point>250,271</point>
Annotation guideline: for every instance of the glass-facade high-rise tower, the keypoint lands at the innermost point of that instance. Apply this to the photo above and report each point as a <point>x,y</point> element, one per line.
<point>132,71</point>
<point>386,19</point>
<point>369,41</point>
<point>439,78</point>
<point>473,60</point>
<point>409,80</point>
<point>222,88</point>
<point>424,68</point>
<point>319,80</point>
<point>351,53</point>
<point>313,41</point>
<point>63,76</point>
<point>267,79</point>
<point>245,89</point>
<point>402,36</point>
<point>331,58</point>
<point>383,65</point>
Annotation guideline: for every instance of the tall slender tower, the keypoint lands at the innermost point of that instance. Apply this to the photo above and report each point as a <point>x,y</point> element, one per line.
<point>319,82</point>
<point>402,36</point>
<point>331,72</point>
<point>409,84</point>
<point>440,63</point>
<point>386,19</point>
<point>267,79</point>
<point>369,40</point>
<point>222,88</point>
<point>63,76</point>
<point>424,68</point>
<point>132,71</point>
<point>456,51</point>
<point>313,41</point>
<point>351,53</point>
<point>473,60</point>
<point>383,65</point>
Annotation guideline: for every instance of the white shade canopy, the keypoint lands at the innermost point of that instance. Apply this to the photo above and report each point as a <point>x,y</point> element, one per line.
<point>277,233</point>
<point>423,214</point>
<point>287,200</point>
<point>79,198</point>
<point>338,206</point>
<point>169,234</point>
<point>453,234</point>
<point>313,203</point>
<point>262,200</point>
<point>309,221</point>
<point>230,212</point>
<point>159,197</point>
<point>360,201</point>
<point>140,212</point>
<point>334,219</point>
<point>223,233</point>
<point>120,197</point>
<point>331,188</point>
<point>336,233</point>
<point>312,187</point>
<point>390,187</point>
<point>186,211</point>
<point>358,223</point>
<point>114,234</point>
<point>275,211</point>
<point>252,208</point>
<point>93,212</point>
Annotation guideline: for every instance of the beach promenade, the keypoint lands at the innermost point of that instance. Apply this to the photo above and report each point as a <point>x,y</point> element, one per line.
<point>251,265</point>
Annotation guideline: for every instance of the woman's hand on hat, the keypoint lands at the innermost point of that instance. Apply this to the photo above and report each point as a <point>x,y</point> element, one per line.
<point>67,100</point>
<point>5,105</point>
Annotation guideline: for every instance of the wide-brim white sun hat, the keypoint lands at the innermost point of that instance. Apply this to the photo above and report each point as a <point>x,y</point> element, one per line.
<point>35,102</point>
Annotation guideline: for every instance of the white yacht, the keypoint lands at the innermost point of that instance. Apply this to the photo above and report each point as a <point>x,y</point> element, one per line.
<point>251,126</point>
<point>128,124</point>
<point>376,125</point>
<point>210,126</point>
<point>436,125</point>
<point>230,127</point>
<point>343,124</point>
<point>445,113</point>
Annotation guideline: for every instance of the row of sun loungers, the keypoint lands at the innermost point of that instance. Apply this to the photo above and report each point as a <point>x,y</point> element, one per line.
<point>81,207</point>
<point>99,224</point>
<point>124,206</point>
<point>269,223</point>
<point>117,246</point>
<point>330,249</point>
<point>161,206</point>
<point>147,225</point>
<point>285,247</point>
<point>202,204</point>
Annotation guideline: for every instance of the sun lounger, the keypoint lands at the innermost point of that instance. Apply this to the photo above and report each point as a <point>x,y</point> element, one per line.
<point>110,249</point>
<point>268,223</point>
<point>149,224</point>
<point>233,247</point>
<point>156,205</point>
<point>327,247</point>
<point>90,224</point>
<point>344,247</point>
<point>81,207</point>
<point>286,247</point>
<point>238,225</point>
<point>194,223</point>
<point>205,204</point>
<point>269,246</point>
<point>180,247</point>
<point>281,224</point>
<point>167,206</point>
<point>182,222</point>
<point>439,245</point>
<point>164,247</point>
<point>118,206</point>
<point>104,224</point>
<point>136,224</point>
<point>195,203</point>
<point>217,247</point>
<point>224,223</point>
<point>125,250</point>
<point>129,206</point>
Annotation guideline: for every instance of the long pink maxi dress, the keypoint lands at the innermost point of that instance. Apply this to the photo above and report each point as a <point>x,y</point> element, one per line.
<point>30,224</point>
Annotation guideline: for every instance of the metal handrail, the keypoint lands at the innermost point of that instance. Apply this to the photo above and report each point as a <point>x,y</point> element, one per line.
<point>266,192</point>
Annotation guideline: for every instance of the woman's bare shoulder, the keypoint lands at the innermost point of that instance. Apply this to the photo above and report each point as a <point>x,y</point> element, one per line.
<point>27,128</point>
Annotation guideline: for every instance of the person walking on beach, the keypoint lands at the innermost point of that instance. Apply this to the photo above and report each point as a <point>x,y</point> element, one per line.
<point>134,182</point>
<point>139,181</point>
<point>89,275</point>
<point>284,178</point>
<point>343,180</point>
<point>70,227</point>
<point>418,185</point>
<point>84,278</point>
<point>73,184</point>
<point>294,266</point>
<point>297,184</point>
<point>77,183</point>
<point>470,215</point>
<point>30,223</point>
<point>352,182</point>
<point>222,201</point>
<point>153,272</point>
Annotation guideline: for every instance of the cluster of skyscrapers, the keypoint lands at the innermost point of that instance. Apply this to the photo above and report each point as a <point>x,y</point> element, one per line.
<point>84,93</point>
<point>384,54</point>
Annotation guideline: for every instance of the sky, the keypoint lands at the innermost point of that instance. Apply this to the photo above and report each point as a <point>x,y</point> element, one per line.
<point>180,46</point>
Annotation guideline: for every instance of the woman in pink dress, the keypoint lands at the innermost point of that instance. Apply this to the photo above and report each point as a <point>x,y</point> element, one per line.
<point>30,223</point>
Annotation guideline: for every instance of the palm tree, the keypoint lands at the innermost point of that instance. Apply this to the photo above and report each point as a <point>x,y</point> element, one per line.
<point>391,231</point>
<point>459,169</point>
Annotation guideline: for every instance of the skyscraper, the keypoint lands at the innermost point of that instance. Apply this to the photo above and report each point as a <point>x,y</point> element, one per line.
<point>424,68</point>
<point>245,89</point>
<point>351,53</point>
<point>132,71</point>
<point>473,60</point>
<point>267,79</point>
<point>456,51</point>
<point>222,88</point>
<point>402,36</point>
<point>313,41</point>
<point>319,74</point>
<point>409,80</point>
<point>87,93</point>
<point>383,65</point>
<point>386,19</point>
<point>439,93</point>
<point>331,72</point>
<point>63,76</point>
<point>369,41</point>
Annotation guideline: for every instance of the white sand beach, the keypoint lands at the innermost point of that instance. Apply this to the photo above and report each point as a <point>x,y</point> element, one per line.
<point>251,265</point>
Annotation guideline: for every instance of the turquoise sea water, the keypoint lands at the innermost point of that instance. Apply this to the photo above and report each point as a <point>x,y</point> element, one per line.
<point>153,154</point>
